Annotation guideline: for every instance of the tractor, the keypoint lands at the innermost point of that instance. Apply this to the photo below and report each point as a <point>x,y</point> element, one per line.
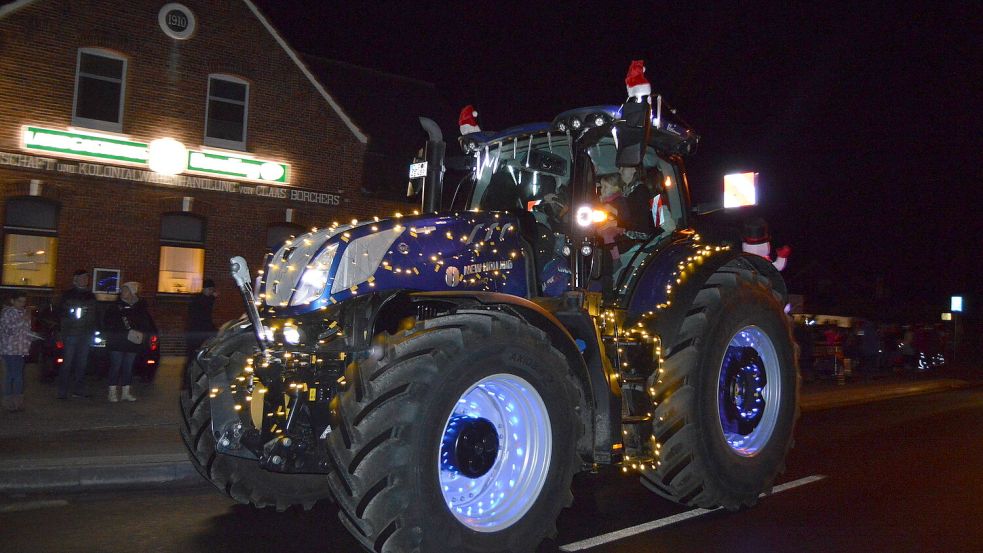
<point>443,376</point>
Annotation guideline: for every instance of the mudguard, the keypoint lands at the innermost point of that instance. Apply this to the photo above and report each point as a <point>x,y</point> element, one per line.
<point>601,409</point>
<point>669,281</point>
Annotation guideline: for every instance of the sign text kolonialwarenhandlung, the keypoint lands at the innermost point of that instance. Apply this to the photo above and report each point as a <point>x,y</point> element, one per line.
<point>180,181</point>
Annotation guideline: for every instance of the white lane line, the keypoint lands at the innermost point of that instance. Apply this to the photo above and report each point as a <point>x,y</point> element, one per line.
<point>662,522</point>
<point>33,505</point>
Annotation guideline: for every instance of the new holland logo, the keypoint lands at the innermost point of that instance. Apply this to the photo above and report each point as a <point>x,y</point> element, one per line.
<point>453,277</point>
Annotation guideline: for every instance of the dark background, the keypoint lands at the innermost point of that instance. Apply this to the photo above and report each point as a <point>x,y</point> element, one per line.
<point>863,121</point>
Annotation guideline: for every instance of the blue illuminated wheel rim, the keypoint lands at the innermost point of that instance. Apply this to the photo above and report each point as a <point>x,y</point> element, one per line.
<point>749,391</point>
<point>495,453</point>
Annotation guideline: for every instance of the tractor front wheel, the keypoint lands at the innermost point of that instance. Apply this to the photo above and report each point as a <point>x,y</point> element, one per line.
<point>457,435</point>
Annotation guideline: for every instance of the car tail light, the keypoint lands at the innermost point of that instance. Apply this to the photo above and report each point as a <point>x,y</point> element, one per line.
<point>153,343</point>
<point>59,345</point>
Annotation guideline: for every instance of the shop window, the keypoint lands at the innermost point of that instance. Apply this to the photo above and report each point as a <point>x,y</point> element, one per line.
<point>226,112</point>
<point>182,253</point>
<point>100,85</point>
<point>30,242</point>
<point>278,233</point>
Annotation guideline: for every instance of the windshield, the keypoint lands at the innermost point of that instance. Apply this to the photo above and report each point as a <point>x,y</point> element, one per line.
<point>519,173</point>
<point>650,192</point>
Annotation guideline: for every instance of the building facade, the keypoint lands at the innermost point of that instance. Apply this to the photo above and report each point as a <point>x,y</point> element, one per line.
<point>151,141</point>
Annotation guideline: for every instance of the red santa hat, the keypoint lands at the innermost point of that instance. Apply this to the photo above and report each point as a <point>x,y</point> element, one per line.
<point>468,120</point>
<point>636,82</point>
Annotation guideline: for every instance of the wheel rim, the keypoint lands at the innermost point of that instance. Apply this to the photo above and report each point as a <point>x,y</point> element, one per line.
<point>749,390</point>
<point>495,453</point>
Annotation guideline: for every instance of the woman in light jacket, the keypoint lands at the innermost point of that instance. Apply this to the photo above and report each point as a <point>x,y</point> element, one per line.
<point>15,344</point>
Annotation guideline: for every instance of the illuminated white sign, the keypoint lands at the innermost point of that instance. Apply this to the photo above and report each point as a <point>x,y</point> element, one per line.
<point>163,155</point>
<point>232,166</point>
<point>956,304</point>
<point>85,145</point>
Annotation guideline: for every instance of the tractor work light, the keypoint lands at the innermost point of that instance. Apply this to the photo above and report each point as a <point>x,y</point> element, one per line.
<point>740,189</point>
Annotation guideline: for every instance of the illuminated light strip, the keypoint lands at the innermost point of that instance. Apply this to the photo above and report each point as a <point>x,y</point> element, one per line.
<point>668,521</point>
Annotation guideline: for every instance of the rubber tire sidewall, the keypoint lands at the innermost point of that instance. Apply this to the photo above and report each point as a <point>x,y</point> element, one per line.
<point>241,479</point>
<point>745,476</point>
<point>529,364</point>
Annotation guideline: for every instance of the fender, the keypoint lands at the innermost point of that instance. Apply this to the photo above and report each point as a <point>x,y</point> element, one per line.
<point>669,282</point>
<point>601,401</point>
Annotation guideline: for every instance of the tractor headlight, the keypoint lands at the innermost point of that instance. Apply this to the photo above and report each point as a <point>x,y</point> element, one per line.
<point>291,335</point>
<point>362,258</point>
<point>315,277</point>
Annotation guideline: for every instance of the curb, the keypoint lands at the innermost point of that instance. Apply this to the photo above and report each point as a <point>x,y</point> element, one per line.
<point>99,473</point>
<point>839,398</point>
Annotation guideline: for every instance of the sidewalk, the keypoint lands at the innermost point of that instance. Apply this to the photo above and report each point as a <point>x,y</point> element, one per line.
<point>91,444</point>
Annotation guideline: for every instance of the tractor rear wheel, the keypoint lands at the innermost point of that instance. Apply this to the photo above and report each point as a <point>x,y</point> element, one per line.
<point>727,396</point>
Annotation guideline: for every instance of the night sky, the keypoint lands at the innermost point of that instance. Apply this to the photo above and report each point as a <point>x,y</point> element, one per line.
<point>863,120</point>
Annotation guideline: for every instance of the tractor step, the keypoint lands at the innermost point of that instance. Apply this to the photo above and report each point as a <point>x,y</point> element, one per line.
<point>636,419</point>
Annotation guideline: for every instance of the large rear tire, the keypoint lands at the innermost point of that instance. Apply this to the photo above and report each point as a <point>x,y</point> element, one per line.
<point>458,435</point>
<point>241,479</point>
<point>727,397</point>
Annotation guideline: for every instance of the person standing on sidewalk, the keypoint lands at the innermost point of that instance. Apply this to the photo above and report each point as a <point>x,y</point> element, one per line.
<point>15,343</point>
<point>128,326</point>
<point>78,321</point>
<point>200,327</point>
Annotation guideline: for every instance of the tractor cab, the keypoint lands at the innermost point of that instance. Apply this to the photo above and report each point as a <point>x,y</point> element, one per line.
<point>588,202</point>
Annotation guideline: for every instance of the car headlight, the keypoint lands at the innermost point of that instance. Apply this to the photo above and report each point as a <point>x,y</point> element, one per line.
<point>315,277</point>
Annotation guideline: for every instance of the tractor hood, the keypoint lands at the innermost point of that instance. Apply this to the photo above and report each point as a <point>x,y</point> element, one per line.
<point>425,252</point>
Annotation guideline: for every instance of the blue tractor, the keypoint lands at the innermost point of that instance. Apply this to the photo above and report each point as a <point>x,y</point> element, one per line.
<point>443,376</point>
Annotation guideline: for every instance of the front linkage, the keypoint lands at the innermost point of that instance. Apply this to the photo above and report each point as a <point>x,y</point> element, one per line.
<point>271,402</point>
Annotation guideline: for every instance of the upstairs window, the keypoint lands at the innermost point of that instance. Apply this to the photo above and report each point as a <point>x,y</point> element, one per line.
<point>226,112</point>
<point>100,85</point>
<point>182,253</point>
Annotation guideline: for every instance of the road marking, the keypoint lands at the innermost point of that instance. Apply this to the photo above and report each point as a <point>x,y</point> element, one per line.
<point>33,505</point>
<point>668,521</point>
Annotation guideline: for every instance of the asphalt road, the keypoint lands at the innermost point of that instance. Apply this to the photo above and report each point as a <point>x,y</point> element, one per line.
<point>899,475</point>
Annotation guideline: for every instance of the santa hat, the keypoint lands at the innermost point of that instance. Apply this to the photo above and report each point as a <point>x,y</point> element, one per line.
<point>636,82</point>
<point>468,120</point>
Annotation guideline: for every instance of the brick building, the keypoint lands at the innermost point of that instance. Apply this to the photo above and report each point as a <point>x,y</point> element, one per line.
<point>152,141</point>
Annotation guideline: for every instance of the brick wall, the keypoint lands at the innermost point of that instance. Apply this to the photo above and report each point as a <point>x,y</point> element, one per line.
<point>115,223</point>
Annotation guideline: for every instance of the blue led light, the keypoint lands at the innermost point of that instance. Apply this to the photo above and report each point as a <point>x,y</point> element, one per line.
<point>521,462</point>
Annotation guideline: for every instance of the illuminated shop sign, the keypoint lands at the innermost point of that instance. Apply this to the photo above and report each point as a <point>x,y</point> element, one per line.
<point>85,145</point>
<point>237,167</point>
<point>166,156</point>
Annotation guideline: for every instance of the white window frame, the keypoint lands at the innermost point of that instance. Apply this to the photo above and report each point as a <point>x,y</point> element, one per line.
<point>221,142</point>
<point>96,123</point>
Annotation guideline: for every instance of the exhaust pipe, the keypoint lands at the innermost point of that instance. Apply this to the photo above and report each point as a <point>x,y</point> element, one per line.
<point>433,183</point>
